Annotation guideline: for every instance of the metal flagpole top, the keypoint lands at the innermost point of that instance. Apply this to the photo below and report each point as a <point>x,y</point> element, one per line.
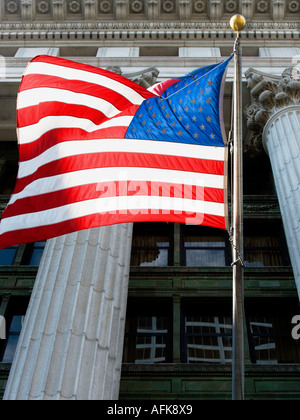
<point>238,23</point>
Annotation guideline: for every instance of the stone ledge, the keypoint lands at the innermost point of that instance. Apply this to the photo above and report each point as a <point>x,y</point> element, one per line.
<point>216,370</point>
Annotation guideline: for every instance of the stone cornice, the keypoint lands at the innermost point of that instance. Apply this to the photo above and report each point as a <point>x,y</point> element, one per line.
<point>145,25</point>
<point>144,31</point>
<point>198,370</point>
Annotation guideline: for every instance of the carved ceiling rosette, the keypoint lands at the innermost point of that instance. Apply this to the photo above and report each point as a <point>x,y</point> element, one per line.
<point>74,6</point>
<point>199,6</point>
<point>105,6</point>
<point>269,95</point>
<point>43,6</point>
<point>137,6</point>
<point>11,6</point>
<point>168,6</point>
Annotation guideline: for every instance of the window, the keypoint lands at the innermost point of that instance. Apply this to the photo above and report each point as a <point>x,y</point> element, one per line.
<point>152,245</point>
<point>269,331</point>
<point>36,253</point>
<point>12,339</point>
<point>207,332</point>
<point>8,255</point>
<point>205,327</point>
<point>265,245</point>
<point>30,254</point>
<point>14,319</point>
<point>160,245</point>
<point>263,340</point>
<point>148,333</point>
<point>205,247</point>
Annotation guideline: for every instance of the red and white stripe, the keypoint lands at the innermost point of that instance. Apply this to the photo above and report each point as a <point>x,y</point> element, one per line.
<point>77,171</point>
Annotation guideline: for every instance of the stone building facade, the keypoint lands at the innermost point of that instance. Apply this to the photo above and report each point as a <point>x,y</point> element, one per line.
<point>144,312</point>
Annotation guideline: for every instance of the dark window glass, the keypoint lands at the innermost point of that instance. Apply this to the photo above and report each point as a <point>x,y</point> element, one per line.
<point>12,339</point>
<point>36,253</point>
<point>152,245</point>
<point>31,255</point>
<point>8,255</point>
<point>207,332</point>
<point>205,247</point>
<point>269,331</point>
<point>265,245</point>
<point>148,333</point>
<point>14,317</point>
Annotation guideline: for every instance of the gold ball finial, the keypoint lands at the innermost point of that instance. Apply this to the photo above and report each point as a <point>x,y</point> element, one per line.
<point>238,23</point>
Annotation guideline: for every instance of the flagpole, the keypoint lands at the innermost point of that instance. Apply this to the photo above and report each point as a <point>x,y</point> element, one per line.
<point>238,23</point>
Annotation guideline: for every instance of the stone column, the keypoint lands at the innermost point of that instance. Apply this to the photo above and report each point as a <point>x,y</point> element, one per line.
<point>274,121</point>
<point>71,343</point>
<point>281,139</point>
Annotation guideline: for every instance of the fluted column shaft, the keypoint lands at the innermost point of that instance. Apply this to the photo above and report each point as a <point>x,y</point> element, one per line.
<point>71,343</point>
<point>281,140</point>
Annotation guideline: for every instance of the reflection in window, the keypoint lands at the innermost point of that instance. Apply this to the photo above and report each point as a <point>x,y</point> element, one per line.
<point>263,251</point>
<point>147,337</point>
<point>8,255</point>
<point>36,253</point>
<point>269,331</point>
<point>150,340</point>
<point>12,339</point>
<point>264,346</point>
<point>14,316</point>
<point>205,247</point>
<point>208,339</point>
<point>151,245</point>
<point>271,341</point>
<point>30,254</point>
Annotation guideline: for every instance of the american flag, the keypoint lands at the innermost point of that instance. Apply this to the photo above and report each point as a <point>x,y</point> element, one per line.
<point>97,149</point>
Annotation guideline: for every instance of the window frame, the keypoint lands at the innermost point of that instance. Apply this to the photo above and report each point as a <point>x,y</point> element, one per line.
<point>24,253</point>
<point>220,307</point>
<point>206,231</point>
<point>149,227</point>
<point>267,227</point>
<point>17,306</point>
<point>255,307</point>
<point>162,307</point>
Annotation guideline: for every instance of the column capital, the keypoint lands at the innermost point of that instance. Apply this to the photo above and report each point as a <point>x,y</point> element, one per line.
<point>269,95</point>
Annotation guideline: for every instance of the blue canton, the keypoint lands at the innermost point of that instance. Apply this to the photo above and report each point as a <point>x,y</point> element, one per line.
<point>186,112</point>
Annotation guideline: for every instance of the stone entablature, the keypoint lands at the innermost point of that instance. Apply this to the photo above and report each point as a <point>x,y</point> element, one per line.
<point>172,10</point>
<point>145,31</point>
